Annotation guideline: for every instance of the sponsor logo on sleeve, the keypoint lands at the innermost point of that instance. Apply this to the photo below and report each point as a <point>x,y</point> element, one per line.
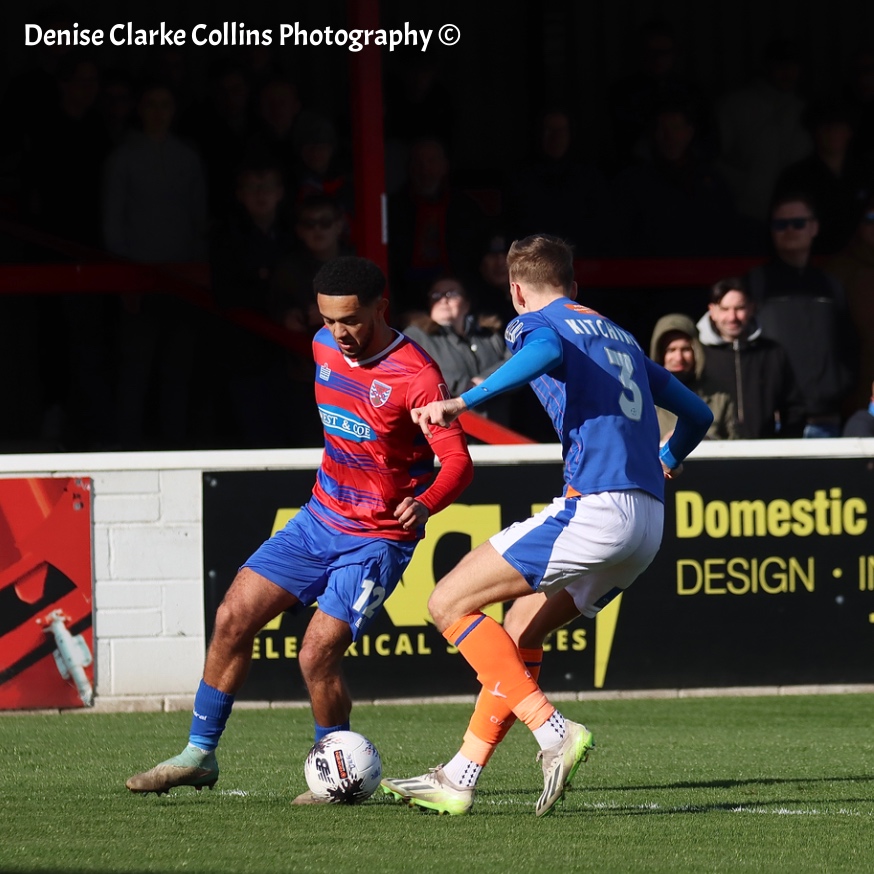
<point>514,329</point>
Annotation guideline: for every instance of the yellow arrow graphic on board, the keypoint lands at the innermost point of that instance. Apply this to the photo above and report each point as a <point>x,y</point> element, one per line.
<point>605,629</point>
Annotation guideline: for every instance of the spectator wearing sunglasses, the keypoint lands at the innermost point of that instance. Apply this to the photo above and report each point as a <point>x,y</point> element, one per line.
<point>805,310</point>
<point>854,267</point>
<point>452,336</point>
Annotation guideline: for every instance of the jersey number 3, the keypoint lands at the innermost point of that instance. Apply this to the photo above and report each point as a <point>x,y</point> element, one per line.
<point>631,407</point>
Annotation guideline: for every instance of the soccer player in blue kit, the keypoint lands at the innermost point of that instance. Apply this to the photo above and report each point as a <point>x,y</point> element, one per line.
<point>581,551</point>
<point>350,544</point>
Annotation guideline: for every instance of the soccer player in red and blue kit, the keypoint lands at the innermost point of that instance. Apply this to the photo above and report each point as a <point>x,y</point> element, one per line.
<point>350,544</point>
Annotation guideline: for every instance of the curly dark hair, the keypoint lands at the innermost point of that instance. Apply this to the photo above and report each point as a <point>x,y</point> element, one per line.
<point>349,274</point>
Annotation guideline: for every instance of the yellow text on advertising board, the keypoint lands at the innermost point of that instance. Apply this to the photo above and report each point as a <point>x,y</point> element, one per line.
<point>826,513</point>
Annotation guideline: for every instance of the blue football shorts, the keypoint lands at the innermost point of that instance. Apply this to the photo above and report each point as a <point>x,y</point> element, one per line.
<point>350,576</point>
<point>594,546</point>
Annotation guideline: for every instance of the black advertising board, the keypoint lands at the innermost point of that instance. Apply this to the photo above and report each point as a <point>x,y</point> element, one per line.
<point>765,577</point>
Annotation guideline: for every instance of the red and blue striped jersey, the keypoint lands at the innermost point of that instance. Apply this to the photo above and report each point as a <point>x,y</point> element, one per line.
<point>375,455</point>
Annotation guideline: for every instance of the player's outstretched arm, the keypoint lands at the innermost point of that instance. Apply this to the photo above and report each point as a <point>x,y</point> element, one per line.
<point>441,413</point>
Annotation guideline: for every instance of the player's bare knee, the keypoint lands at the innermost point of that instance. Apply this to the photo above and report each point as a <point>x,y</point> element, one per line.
<point>231,626</point>
<point>441,609</point>
<point>317,661</point>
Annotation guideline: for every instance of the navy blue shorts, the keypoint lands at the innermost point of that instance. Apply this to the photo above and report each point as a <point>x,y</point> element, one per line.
<point>350,576</point>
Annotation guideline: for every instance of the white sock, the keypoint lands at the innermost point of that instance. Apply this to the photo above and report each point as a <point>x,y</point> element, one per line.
<point>552,731</point>
<point>462,771</point>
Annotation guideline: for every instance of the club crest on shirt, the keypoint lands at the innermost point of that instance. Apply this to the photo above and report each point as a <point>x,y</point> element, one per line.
<point>324,372</point>
<point>379,393</point>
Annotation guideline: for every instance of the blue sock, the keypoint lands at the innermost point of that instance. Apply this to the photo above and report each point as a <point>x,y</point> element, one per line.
<point>322,730</point>
<point>211,711</point>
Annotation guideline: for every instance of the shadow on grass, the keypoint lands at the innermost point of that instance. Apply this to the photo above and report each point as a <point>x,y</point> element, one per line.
<point>733,784</point>
<point>500,802</point>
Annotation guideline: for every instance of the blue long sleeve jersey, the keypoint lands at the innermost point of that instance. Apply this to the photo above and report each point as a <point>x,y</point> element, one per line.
<point>600,391</point>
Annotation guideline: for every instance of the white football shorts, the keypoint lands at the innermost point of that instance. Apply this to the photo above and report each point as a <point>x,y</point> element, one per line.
<point>595,546</point>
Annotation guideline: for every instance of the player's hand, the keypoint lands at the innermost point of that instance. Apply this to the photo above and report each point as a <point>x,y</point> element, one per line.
<point>411,514</point>
<point>441,413</point>
<point>672,474</point>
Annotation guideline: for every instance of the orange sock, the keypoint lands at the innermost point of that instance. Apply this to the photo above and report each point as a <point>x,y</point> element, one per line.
<point>492,719</point>
<point>490,651</point>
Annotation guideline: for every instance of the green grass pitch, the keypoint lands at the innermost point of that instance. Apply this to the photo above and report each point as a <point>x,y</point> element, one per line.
<point>766,784</point>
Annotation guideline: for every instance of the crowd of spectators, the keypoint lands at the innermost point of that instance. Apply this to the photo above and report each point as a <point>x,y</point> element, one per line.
<point>248,178</point>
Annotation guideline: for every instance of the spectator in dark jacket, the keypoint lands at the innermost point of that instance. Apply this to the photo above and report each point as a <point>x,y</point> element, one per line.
<point>754,370</point>
<point>805,310</point>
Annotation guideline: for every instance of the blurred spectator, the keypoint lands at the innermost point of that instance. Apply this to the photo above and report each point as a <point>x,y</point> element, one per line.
<point>657,79</point>
<point>432,227</point>
<point>62,168</point>
<point>418,104</point>
<point>854,269</point>
<point>154,194</point>
<point>489,283</point>
<point>761,132</point>
<point>247,247</point>
<point>839,181</point>
<point>675,202</point>
<point>804,309</point>
<point>321,167</point>
<point>754,370</point>
<point>64,162</point>
<point>220,127</point>
<point>279,112</point>
<point>319,228</point>
<point>556,193</point>
<point>118,97</point>
<point>861,423</point>
<point>676,347</point>
<point>246,254</point>
<point>154,211</point>
<point>466,352</point>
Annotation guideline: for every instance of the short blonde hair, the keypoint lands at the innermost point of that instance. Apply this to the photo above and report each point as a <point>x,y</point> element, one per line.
<point>541,259</point>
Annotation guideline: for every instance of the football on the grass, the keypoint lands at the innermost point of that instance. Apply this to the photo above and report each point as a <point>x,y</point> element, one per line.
<point>343,767</point>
